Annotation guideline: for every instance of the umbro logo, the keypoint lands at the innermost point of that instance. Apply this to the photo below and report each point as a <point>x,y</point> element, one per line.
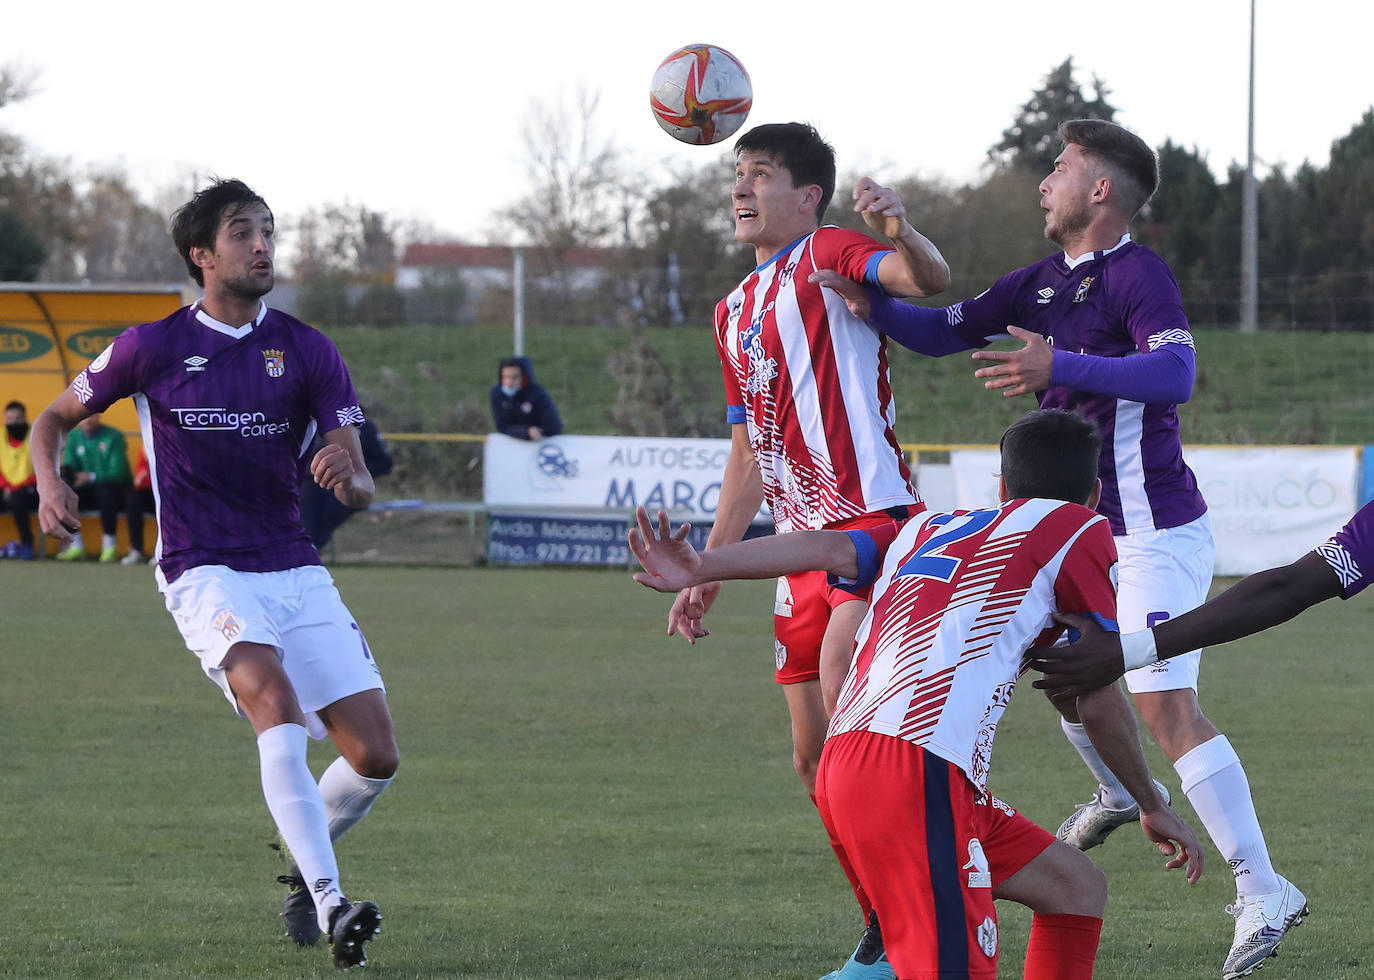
<point>1045,295</point>
<point>196,363</point>
<point>322,883</point>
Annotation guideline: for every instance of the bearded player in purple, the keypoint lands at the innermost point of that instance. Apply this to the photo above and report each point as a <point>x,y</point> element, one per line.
<point>229,394</point>
<point>1105,335</point>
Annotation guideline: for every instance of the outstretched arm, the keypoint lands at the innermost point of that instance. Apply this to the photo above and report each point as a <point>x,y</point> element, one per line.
<point>672,564</point>
<point>1253,604</point>
<point>1163,376</point>
<point>926,330</point>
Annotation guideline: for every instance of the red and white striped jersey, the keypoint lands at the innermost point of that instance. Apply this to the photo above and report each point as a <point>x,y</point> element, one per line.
<point>959,599</point>
<point>811,381</point>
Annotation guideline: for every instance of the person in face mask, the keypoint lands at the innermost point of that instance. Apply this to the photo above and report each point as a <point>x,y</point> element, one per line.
<point>17,482</point>
<point>519,407</point>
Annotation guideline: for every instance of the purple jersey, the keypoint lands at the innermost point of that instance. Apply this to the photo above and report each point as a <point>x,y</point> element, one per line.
<point>1350,551</point>
<point>1115,303</point>
<point>226,414</point>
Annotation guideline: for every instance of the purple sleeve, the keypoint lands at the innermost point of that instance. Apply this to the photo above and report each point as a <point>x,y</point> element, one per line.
<point>1153,306</point>
<point>112,375</point>
<point>1350,552</point>
<point>333,402</point>
<point>923,329</point>
<point>1164,376</point>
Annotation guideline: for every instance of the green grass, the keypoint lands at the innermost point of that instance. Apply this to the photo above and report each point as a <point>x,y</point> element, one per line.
<point>579,796</point>
<point>1273,387</point>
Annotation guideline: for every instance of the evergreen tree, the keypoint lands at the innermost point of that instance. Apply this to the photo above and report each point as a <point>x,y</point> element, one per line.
<point>21,253</point>
<point>1031,142</point>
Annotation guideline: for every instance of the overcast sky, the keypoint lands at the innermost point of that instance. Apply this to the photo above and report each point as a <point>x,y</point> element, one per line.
<point>413,107</point>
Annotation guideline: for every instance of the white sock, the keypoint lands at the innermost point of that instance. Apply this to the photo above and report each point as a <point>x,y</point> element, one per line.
<point>107,541</point>
<point>1114,794</point>
<point>77,542</point>
<point>1214,782</point>
<point>347,796</point>
<point>295,803</point>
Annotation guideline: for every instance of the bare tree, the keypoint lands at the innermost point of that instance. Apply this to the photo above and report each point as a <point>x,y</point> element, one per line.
<point>577,197</point>
<point>123,239</point>
<point>344,241</point>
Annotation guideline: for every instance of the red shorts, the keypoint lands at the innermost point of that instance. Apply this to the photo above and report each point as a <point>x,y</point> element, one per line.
<point>801,610</point>
<point>926,849</point>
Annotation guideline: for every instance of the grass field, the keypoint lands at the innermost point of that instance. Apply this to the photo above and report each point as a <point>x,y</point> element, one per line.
<point>579,796</point>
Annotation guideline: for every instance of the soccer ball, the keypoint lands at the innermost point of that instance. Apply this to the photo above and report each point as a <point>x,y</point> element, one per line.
<point>701,94</point>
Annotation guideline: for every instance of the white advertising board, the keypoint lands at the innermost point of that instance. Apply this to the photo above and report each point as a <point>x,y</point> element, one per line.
<point>609,473</point>
<point>1269,505</point>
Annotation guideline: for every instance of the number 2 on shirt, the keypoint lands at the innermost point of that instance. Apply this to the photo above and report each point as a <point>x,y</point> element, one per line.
<point>929,561</point>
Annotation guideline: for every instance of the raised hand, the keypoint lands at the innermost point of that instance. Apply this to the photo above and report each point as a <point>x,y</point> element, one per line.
<point>882,209</point>
<point>668,558</point>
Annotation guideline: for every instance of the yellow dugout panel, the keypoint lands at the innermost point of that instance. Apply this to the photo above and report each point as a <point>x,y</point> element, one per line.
<point>48,333</point>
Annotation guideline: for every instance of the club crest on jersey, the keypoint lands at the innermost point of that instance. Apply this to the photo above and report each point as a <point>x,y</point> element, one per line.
<point>1082,293</point>
<point>1045,295</point>
<point>275,361</point>
<point>786,273</point>
<point>987,937</point>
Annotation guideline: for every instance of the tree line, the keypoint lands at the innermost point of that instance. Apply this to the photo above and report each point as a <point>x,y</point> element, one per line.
<point>671,244</point>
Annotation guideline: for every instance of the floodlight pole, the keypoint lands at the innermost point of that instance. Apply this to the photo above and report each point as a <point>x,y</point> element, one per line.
<point>1249,214</point>
<point>518,289</point>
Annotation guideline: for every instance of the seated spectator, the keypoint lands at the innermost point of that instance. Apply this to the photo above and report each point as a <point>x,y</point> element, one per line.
<point>96,464</point>
<point>139,502</point>
<point>521,408</point>
<point>18,485</point>
<point>321,511</point>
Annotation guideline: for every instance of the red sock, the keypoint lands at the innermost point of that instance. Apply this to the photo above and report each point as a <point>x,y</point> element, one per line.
<point>849,872</point>
<point>1062,947</point>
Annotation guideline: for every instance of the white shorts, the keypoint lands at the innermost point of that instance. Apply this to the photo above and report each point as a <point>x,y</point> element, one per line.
<point>298,611</point>
<point>1163,574</point>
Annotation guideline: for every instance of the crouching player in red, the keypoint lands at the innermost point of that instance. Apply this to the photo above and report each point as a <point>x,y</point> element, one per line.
<point>957,599</point>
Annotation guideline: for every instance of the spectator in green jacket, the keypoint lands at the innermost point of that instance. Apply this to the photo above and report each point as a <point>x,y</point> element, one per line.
<point>96,464</point>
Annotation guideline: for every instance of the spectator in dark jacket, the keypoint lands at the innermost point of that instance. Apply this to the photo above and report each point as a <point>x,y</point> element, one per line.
<point>521,408</point>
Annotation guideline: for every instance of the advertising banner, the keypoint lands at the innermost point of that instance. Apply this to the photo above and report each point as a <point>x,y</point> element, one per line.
<point>608,473</point>
<point>571,539</point>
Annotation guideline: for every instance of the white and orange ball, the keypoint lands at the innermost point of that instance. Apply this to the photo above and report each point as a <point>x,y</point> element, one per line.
<point>701,94</point>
